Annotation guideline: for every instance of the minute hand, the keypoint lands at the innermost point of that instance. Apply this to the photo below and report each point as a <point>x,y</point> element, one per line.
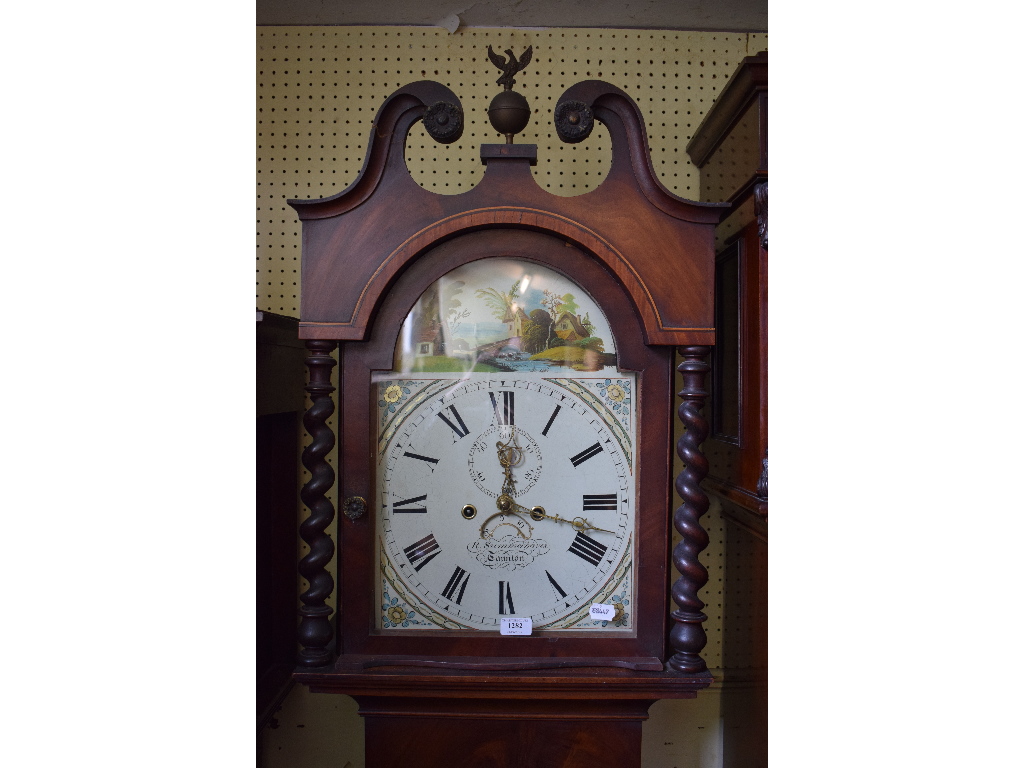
<point>578,523</point>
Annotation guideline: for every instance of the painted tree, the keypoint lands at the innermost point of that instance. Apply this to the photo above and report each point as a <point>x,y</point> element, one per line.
<point>455,312</point>
<point>552,303</point>
<point>501,304</point>
<point>535,332</point>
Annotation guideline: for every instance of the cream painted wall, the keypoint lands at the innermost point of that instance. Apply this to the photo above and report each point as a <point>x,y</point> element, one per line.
<point>318,89</point>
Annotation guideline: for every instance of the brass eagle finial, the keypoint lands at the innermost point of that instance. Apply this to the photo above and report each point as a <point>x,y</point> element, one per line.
<point>510,66</point>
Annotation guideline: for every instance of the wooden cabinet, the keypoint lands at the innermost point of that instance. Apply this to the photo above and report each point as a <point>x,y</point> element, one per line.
<point>279,377</point>
<point>731,149</point>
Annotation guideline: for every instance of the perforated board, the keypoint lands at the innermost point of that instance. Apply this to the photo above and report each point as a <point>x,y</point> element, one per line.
<point>318,89</point>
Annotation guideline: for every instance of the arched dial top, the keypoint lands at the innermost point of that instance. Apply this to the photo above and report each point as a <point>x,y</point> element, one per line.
<point>505,459</point>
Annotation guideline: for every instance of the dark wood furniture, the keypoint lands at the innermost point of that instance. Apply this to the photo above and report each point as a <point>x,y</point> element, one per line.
<point>280,373</point>
<point>731,149</point>
<point>476,698</point>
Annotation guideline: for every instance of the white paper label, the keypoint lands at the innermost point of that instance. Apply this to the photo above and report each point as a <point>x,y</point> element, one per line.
<point>602,612</point>
<point>517,626</point>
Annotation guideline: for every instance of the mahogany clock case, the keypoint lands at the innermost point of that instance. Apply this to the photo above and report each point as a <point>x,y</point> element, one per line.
<point>644,255</point>
<point>654,367</point>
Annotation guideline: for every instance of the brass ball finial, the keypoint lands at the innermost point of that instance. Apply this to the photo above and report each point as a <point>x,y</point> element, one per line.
<point>509,112</point>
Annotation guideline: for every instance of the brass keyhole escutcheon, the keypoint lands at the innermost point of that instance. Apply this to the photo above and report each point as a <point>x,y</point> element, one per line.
<point>538,513</point>
<point>469,511</point>
<point>354,507</point>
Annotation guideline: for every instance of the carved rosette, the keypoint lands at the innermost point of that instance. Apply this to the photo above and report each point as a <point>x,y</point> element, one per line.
<point>687,638</point>
<point>761,209</point>
<point>574,120</point>
<point>315,632</point>
<point>443,121</point>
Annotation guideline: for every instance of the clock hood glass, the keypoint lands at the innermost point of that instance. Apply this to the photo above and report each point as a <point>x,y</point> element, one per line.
<point>505,315</point>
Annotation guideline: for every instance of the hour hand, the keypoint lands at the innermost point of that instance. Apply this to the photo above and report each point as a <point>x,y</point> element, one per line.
<point>578,523</point>
<point>510,454</point>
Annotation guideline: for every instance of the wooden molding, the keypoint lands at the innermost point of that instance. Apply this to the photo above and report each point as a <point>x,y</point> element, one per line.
<point>750,80</point>
<point>738,496</point>
<point>587,683</point>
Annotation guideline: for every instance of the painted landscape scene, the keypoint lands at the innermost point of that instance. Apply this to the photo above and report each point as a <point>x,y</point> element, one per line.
<point>505,315</point>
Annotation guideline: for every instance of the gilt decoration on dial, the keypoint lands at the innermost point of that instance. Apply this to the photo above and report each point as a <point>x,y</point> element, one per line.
<point>504,489</point>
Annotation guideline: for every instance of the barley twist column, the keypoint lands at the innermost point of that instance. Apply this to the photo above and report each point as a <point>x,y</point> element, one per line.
<point>687,638</point>
<point>315,632</point>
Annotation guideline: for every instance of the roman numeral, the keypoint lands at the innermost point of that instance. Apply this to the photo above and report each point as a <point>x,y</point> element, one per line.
<point>427,459</point>
<point>588,549</point>
<point>600,501</point>
<point>423,551</point>
<point>460,430</point>
<point>460,577</point>
<point>505,598</point>
<point>550,420</point>
<point>506,415</point>
<point>587,453</point>
<point>554,584</point>
<point>407,502</point>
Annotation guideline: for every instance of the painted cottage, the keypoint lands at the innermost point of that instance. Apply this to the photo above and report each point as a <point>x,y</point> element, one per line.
<point>569,327</point>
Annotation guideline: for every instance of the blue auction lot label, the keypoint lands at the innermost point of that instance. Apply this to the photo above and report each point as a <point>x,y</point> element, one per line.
<point>602,612</point>
<point>516,626</point>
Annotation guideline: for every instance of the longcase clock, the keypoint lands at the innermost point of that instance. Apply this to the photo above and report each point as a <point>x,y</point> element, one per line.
<point>508,591</point>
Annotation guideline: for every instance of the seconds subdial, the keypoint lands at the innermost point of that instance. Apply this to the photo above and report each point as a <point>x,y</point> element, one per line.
<point>488,473</point>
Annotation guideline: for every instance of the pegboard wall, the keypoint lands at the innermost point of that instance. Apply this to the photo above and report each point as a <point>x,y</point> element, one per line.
<point>318,89</point>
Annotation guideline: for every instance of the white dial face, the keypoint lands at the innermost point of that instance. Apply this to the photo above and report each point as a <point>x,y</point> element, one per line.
<point>504,495</point>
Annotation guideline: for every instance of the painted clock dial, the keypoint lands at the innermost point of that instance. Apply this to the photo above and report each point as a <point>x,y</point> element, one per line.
<point>505,460</point>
